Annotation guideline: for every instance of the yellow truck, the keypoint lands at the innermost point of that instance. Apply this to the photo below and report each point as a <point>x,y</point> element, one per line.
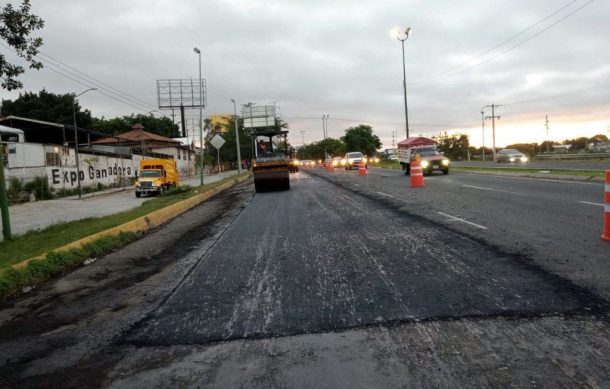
<point>156,176</point>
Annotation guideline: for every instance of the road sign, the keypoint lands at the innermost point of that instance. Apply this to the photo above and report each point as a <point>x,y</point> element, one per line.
<point>217,141</point>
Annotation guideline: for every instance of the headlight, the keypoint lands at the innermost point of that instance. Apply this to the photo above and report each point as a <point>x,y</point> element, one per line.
<point>512,159</point>
<point>335,163</point>
<point>343,162</point>
<point>364,160</point>
<point>446,162</point>
<point>376,160</point>
<point>425,164</point>
<point>524,159</point>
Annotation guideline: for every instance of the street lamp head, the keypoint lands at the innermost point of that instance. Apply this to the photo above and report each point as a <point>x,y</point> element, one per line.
<point>196,50</point>
<point>233,101</point>
<point>403,35</point>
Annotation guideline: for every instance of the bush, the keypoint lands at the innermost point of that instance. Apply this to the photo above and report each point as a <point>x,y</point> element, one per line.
<point>14,188</point>
<point>40,187</point>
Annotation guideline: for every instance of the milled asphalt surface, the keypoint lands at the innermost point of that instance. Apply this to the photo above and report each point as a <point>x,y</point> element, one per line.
<point>41,214</point>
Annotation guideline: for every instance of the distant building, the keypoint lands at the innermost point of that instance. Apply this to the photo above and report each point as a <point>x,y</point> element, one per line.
<point>600,147</point>
<point>561,148</point>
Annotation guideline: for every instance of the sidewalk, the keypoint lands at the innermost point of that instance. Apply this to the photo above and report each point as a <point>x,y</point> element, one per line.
<point>41,214</point>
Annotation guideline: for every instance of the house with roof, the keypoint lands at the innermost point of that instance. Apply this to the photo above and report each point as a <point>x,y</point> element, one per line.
<point>34,149</point>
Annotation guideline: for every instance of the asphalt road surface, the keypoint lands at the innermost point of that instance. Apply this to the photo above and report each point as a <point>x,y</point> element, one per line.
<point>335,283</point>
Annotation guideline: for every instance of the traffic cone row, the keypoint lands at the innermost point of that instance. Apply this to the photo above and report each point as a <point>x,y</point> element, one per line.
<point>417,174</point>
<point>606,234</point>
<point>362,169</point>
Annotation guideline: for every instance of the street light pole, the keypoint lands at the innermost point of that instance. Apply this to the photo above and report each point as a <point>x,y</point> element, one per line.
<point>196,50</point>
<point>237,138</point>
<point>76,140</point>
<point>404,76</point>
<point>483,131</point>
<point>303,144</point>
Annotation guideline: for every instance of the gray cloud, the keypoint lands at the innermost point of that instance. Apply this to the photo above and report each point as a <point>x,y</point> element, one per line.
<point>338,58</point>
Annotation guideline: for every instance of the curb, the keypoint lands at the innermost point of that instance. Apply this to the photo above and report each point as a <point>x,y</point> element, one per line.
<point>146,222</point>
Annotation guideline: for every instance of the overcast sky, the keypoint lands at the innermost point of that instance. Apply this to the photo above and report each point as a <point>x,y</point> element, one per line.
<point>342,58</point>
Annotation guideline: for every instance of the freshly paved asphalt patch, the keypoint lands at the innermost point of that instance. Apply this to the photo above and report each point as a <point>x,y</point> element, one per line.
<point>319,258</point>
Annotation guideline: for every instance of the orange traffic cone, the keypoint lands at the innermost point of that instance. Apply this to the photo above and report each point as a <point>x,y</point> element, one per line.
<point>417,174</point>
<point>362,169</point>
<point>606,234</point>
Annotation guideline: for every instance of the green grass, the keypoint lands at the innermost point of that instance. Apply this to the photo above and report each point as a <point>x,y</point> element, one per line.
<point>39,242</point>
<point>562,172</point>
<point>37,271</point>
<point>388,164</point>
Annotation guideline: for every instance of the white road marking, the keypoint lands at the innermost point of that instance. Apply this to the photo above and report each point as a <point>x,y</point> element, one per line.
<point>532,178</point>
<point>586,202</point>
<point>385,194</point>
<point>492,189</point>
<point>457,219</point>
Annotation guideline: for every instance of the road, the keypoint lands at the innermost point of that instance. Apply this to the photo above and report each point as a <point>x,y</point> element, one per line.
<point>555,223</point>
<point>338,282</point>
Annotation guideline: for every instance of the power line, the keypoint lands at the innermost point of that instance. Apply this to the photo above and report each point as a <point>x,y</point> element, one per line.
<point>444,74</point>
<point>99,83</point>
<point>86,81</point>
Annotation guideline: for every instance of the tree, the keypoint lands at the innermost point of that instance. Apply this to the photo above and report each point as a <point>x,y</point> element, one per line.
<point>46,106</point>
<point>579,143</point>
<point>316,150</point>
<point>228,151</point>
<point>453,146</point>
<point>16,25</point>
<point>161,126</point>
<point>361,138</point>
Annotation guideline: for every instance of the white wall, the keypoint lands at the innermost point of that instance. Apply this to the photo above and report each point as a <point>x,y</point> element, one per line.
<point>21,155</point>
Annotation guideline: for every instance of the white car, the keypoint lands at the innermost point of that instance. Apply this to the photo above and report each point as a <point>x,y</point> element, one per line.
<point>510,155</point>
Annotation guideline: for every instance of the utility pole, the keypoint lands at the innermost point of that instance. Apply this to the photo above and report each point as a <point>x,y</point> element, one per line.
<point>483,131</point>
<point>493,118</point>
<point>6,220</point>
<point>303,144</point>
<point>393,139</point>
<point>547,134</point>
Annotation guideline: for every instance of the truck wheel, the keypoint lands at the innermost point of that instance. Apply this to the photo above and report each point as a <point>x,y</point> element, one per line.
<point>445,171</point>
<point>138,194</point>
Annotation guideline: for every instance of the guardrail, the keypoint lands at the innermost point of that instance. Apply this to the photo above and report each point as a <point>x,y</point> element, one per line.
<point>558,157</point>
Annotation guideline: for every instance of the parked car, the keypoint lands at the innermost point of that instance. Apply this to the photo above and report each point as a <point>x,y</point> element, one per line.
<point>353,159</point>
<point>510,155</point>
